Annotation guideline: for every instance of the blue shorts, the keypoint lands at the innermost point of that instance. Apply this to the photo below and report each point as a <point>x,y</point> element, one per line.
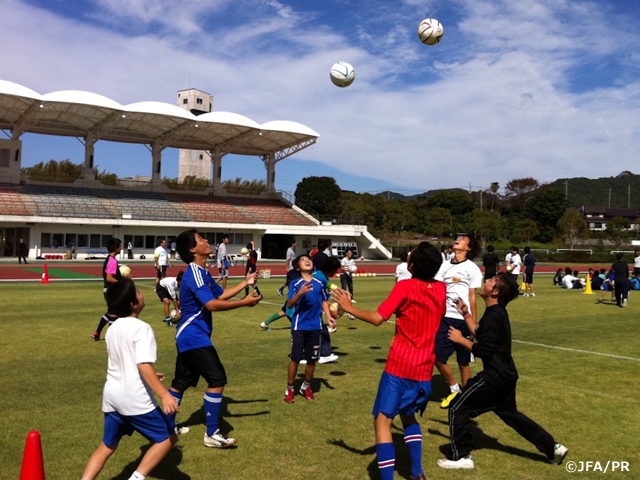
<point>445,347</point>
<point>154,426</point>
<point>401,396</point>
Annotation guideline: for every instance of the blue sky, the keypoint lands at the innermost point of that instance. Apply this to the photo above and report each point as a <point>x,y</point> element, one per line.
<point>542,88</point>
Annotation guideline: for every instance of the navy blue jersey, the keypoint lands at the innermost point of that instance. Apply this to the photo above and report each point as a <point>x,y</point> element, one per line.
<point>307,314</point>
<point>529,263</point>
<point>196,324</point>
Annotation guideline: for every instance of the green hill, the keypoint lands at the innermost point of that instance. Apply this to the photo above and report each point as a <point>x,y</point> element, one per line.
<point>621,191</point>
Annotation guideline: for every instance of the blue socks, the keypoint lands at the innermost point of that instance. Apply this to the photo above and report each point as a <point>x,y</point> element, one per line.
<point>386,460</point>
<point>413,440</point>
<point>178,397</point>
<point>212,405</point>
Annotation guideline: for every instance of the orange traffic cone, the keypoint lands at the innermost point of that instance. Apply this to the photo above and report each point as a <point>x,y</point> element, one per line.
<point>32,461</point>
<point>587,287</point>
<point>45,275</point>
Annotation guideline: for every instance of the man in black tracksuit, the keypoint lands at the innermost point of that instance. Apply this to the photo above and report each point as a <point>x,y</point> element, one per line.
<point>494,388</point>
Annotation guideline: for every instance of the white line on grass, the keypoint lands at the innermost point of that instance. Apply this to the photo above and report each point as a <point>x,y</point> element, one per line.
<point>577,350</point>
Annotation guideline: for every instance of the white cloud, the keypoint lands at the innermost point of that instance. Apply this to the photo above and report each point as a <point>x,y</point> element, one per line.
<point>498,106</point>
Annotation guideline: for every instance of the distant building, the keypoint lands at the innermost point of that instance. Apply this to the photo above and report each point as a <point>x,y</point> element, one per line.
<point>196,163</point>
<point>597,217</point>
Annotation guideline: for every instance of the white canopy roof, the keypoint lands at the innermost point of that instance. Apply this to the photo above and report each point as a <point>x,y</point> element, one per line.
<point>78,114</point>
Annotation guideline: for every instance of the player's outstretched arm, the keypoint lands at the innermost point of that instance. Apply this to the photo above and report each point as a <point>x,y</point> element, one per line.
<point>231,292</point>
<point>150,377</point>
<point>343,298</point>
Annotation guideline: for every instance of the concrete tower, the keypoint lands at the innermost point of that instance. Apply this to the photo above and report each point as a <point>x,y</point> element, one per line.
<point>195,163</point>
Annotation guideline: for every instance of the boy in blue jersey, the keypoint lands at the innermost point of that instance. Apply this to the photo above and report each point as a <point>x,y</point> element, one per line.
<point>199,296</point>
<point>309,297</point>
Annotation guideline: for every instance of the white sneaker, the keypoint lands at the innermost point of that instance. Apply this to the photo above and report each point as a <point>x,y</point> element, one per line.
<point>624,303</point>
<point>465,462</point>
<point>331,329</point>
<point>525,295</point>
<point>328,359</point>
<point>353,301</point>
<point>350,317</point>
<point>181,430</point>
<point>264,326</point>
<point>533,294</point>
<point>559,452</point>
<point>218,440</point>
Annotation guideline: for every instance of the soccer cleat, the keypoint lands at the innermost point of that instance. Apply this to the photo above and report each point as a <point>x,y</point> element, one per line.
<point>624,303</point>
<point>218,440</point>
<point>289,396</point>
<point>464,462</point>
<point>525,295</point>
<point>168,322</point>
<point>329,358</point>
<point>264,326</point>
<point>447,401</point>
<point>559,452</point>
<point>533,294</point>
<point>307,393</point>
<point>280,292</point>
<point>95,336</point>
<point>181,430</point>
<point>332,329</point>
<point>350,317</point>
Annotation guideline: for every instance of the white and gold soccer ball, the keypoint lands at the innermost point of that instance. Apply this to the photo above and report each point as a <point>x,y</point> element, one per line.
<point>125,271</point>
<point>244,250</point>
<point>430,31</point>
<point>334,307</point>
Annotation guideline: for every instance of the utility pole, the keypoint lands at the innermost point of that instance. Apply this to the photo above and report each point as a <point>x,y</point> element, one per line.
<point>609,197</point>
<point>566,189</point>
<point>629,196</point>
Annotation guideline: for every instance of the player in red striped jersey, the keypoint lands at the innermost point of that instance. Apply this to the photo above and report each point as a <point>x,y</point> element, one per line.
<point>405,386</point>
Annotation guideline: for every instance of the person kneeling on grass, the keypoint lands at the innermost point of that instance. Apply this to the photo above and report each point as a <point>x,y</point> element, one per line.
<point>419,304</point>
<point>308,296</point>
<point>494,388</point>
<point>127,403</point>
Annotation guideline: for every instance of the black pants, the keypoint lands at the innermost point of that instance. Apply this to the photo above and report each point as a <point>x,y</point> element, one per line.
<point>325,341</point>
<point>476,398</point>
<point>621,288</point>
<point>347,283</point>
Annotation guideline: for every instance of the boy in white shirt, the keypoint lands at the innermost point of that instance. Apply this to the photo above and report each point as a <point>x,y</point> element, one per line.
<point>127,400</point>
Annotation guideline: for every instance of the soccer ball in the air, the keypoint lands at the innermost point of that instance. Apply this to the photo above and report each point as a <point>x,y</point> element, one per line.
<point>430,31</point>
<point>244,250</point>
<point>125,271</point>
<point>342,74</point>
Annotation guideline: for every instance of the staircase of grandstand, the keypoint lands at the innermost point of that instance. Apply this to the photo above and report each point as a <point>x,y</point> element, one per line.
<point>77,202</point>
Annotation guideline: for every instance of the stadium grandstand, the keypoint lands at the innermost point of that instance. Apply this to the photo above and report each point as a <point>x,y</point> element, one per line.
<point>54,217</point>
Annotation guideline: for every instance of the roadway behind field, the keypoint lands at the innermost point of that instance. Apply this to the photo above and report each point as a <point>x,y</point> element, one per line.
<point>80,269</point>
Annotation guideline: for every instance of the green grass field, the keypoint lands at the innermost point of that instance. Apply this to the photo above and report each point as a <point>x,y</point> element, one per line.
<point>53,373</point>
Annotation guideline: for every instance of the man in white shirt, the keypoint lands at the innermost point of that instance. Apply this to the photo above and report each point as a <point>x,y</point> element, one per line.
<point>514,261</point>
<point>636,262</point>
<point>289,258</point>
<point>402,270</point>
<point>162,260</point>
<point>167,292</point>
<point>223,262</point>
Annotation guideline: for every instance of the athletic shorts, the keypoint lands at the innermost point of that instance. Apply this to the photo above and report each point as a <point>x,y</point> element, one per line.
<point>445,347</point>
<point>154,426</point>
<point>400,396</point>
<point>528,277</point>
<point>162,271</point>
<point>199,362</point>
<point>162,293</point>
<point>305,344</point>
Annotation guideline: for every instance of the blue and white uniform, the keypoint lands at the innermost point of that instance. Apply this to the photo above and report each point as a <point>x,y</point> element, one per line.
<point>307,313</point>
<point>196,323</point>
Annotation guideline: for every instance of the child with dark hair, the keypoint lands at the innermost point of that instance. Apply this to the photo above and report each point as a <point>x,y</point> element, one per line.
<point>462,278</point>
<point>405,387</point>
<point>252,263</point>
<point>494,388</point>
<point>402,270</point>
<point>127,402</point>
<point>166,290</point>
<point>110,275</point>
<point>329,269</point>
<point>200,295</point>
<point>308,296</point>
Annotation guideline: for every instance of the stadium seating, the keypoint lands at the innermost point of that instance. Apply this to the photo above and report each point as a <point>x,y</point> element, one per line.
<point>69,201</point>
